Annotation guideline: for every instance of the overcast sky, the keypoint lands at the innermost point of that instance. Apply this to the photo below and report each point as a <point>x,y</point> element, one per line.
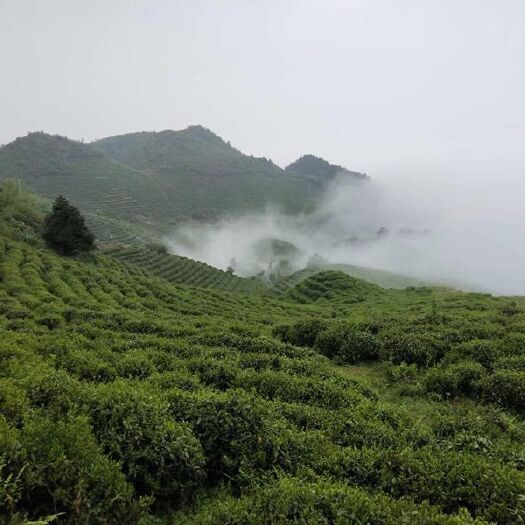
<point>367,83</point>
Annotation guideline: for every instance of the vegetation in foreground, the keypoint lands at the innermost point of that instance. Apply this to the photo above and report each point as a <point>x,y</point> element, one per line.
<point>125,398</point>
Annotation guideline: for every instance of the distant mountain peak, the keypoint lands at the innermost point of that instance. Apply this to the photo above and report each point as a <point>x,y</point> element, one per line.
<point>317,167</point>
<point>49,148</point>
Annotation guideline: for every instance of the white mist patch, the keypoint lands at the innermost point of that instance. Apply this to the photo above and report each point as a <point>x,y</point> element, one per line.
<point>235,239</point>
<point>458,235</point>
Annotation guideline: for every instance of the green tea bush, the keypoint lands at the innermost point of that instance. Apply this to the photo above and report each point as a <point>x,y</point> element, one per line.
<point>338,340</point>
<point>516,362</point>
<point>50,389</point>
<point>237,431</point>
<point>402,345</point>
<point>292,500</point>
<point>12,461</point>
<point>13,401</point>
<point>449,479</point>
<point>303,333</point>
<point>403,373</point>
<point>182,379</point>
<point>134,364</point>
<point>159,457</point>
<point>481,350</point>
<point>220,375</point>
<point>69,474</point>
<point>506,387</point>
<point>347,344</point>
<point>329,393</point>
<point>88,364</point>
<point>458,379</point>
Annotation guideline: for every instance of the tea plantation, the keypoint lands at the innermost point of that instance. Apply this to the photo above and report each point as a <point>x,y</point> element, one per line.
<point>143,393</point>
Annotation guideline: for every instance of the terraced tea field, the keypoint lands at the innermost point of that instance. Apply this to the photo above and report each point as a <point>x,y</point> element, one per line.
<point>181,270</point>
<point>127,397</point>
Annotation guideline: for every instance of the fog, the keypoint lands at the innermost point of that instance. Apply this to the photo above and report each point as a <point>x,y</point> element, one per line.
<point>464,234</point>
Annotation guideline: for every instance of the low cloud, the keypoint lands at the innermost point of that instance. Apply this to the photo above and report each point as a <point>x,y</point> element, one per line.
<point>445,230</point>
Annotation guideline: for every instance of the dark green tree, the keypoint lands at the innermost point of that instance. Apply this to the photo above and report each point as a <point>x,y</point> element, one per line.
<point>65,230</point>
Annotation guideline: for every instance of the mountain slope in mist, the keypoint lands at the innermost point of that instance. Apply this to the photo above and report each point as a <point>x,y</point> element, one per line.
<point>205,177</point>
<point>321,171</point>
<point>156,180</point>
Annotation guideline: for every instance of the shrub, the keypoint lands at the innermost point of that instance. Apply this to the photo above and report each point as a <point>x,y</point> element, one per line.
<point>12,460</point>
<point>13,400</point>
<point>85,363</point>
<point>346,343</point>
<point>422,349</point>
<point>329,393</point>
<point>507,388</point>
<point>454,380</point>
<point>481,350</point>
<point>293,500</point>
<point>134,365</point>
<point>157,247</point>
<point>237,431</point>
<point>68,473</point>
<point>303,333</point>
<point>443,477</point>
<point>158,456</point>
<point>51,389</point>
<point>403,373</point>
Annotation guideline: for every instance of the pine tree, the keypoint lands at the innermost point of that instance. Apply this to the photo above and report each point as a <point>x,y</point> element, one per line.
<point>65,230</point>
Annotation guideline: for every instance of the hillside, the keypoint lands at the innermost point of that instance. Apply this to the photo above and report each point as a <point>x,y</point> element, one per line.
<point>129,399</point>
<point>141,184</point>
<point>320,171</point>
<point>379,277</point>
<point>181,270</point>
<point>53,165</point>
<point>204,176</point>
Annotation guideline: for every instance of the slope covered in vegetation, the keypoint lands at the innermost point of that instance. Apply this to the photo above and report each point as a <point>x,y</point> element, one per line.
<point>54,165</point>
<point>379,277</point>
<point>182,270</point>
<point>125,398</point>
<point>205,177</point>
<point>321,171</point>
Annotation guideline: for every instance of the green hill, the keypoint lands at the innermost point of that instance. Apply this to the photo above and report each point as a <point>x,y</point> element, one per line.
<point>205,177</point>
<point>181,270</point>
<point>53,165</point>
<point>378,277</point>
<point>131,186</point>
<point>332,286</point>
<point>320,171</point>
<point>154,180</point>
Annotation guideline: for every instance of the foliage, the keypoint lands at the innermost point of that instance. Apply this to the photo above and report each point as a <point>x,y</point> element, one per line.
<point>65,230</point>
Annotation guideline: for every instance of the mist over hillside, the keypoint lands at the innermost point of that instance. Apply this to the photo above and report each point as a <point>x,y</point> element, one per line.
<point>437,234</point>
<point>213,203</point>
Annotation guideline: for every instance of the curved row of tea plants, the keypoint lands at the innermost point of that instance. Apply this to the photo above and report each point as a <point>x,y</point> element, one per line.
<point>182,270</point>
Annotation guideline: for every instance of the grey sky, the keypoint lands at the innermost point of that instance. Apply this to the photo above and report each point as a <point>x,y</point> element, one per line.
<point>368,83</point>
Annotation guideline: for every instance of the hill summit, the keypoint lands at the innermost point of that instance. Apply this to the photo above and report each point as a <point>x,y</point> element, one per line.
<point>313,167</point>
